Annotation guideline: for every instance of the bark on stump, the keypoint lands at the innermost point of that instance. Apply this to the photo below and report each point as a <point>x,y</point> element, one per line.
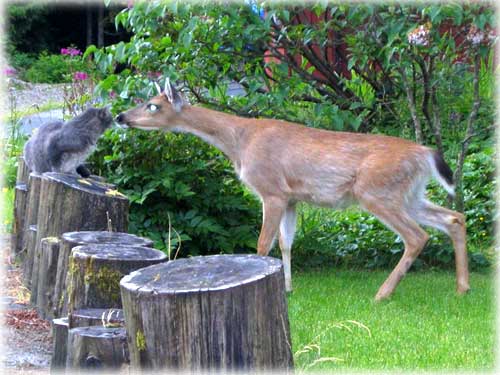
<point>96,348</point>
<point>47,269</point>
<point>95,272</point>
<point>69,203</point>
<point>60,329</point>
<point>31,214</point>
<point>20,197</point>
<point>73,239</point>
<point>222,312</point>
<point>18,226</point>
<point>30,241</point>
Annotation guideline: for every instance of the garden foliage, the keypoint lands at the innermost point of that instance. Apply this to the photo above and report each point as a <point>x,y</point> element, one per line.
<point>399,63</point>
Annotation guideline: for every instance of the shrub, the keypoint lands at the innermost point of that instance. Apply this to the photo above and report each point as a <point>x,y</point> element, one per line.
<point>54,68</point>
<point>179,181</point>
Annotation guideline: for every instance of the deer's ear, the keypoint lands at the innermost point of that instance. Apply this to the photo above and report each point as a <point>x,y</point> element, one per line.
<point>173,96</point>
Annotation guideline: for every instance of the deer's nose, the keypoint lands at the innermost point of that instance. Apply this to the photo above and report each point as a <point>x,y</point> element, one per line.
<point>120,118</point>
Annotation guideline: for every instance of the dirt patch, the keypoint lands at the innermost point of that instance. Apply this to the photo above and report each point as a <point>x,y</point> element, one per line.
<point>28,340</point>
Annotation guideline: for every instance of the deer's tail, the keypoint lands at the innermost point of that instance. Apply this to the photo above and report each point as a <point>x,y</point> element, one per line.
<point>442,172</point>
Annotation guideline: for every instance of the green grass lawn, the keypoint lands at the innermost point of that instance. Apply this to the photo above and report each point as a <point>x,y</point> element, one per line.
<point>425,325</point>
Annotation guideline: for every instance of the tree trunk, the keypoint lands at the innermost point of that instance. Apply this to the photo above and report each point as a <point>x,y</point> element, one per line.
<point>89,23</point>
<point>72,239</point>
<point>91,348</point>
<point>95,272</point>
<point>69,203</point>
<point>216,313</point>
<point>100,26</point>
<point>413,107</point>
<point>59,343</point>
<point>47,275</point>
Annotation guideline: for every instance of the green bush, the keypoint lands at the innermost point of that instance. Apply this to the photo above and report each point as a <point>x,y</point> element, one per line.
<point>179,181</point>
<point>54,68</point>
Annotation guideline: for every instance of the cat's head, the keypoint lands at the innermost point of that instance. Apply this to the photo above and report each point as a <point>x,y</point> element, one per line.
<point>94,119</point>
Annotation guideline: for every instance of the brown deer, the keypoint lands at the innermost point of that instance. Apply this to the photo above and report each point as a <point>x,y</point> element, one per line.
<point>285,163</point>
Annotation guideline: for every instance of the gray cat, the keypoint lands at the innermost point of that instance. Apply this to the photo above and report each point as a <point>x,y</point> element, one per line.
<point>63,147</point>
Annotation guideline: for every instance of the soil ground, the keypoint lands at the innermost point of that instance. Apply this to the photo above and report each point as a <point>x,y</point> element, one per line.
<point>27,338</point>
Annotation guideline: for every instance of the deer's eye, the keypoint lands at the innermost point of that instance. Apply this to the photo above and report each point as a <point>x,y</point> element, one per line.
<point>153,107</point>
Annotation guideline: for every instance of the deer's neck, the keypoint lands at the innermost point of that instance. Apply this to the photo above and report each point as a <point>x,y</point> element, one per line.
<point>226,132</point>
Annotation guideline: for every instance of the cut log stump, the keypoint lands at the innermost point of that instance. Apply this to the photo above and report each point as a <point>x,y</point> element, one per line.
<point>60,329</point>
<point>91,348</point>
<point>31,215</point>
<point>69,203</point>
<point>110,318</point>
<point>47,269</point>
<point>97,317</point>
<point>20,198</point>
<point>71,240</point>
<point>223,312</point>
<point>95,272</point>
<point>30,240</point>
<point>18,226</point>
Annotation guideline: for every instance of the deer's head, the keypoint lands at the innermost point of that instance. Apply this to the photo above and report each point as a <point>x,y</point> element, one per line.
<point>157,113</point>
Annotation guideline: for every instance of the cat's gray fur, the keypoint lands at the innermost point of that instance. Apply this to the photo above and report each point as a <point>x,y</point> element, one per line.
<point>63,147</point>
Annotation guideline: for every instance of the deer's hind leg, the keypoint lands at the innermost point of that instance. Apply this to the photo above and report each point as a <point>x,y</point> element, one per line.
<point>453,224</point>
<point>395,217</point>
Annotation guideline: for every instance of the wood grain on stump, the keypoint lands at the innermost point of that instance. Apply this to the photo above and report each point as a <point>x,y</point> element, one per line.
<point>30,240</point>
<point>96,348</point>
<point>95,272</point>
<point>69,203</point>
<point>31,213</point>
<point>72,239</point>
<point>20,199</point>
<point>60,329</point>
<point>47,269</point>
<point>18,227</point>
<point>217,312</point>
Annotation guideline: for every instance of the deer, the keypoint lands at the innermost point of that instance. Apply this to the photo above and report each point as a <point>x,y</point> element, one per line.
<point>285,163</point>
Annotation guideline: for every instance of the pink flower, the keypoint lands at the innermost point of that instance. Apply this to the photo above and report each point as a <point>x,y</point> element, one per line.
<point>80,76</point>
<point>70,51</point>
<point>9,71</point>
<point>130,4</point>
<point>112,94</point>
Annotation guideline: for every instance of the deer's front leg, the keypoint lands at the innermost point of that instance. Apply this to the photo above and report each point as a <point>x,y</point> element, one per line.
<point>272,211</point>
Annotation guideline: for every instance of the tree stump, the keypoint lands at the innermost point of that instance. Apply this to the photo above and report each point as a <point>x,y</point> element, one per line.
<point>47,269</point>
<point>31,214</point>
<point>29,240</point>
<point>23,170</point>
<point>96,348</point>
<point>97,317</point>
<point>73,239</point>
<point>222,312</point>
<point>60,329</point>
<point>95,272</point>
<point>18,226</point>
<point>20,197</point>
<point>69,203</point>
